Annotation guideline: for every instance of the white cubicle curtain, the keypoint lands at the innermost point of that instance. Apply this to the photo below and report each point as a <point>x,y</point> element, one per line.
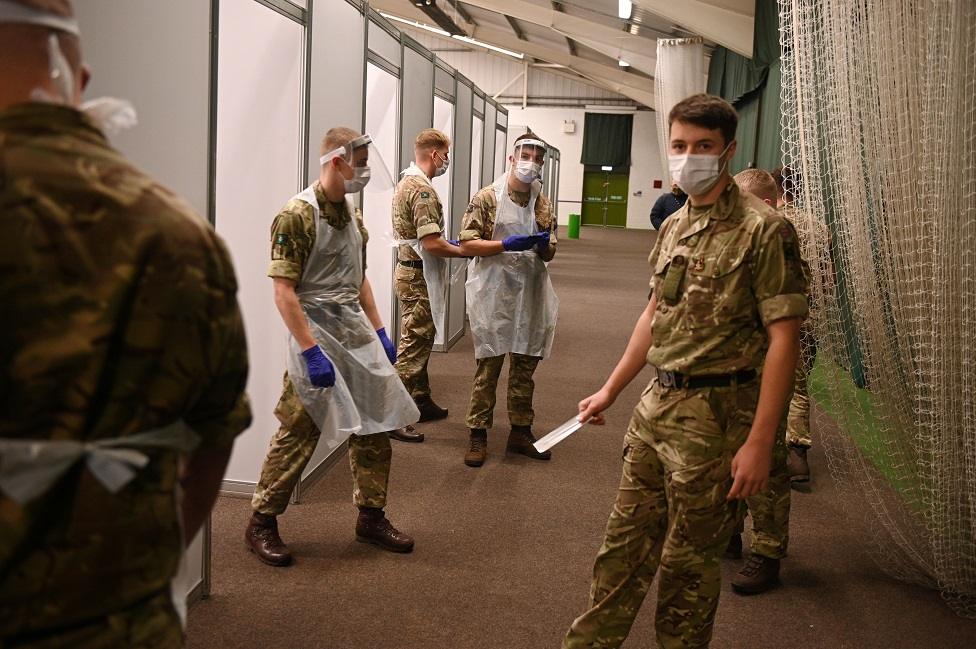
<point>444,122</point>
<point>259,167</point>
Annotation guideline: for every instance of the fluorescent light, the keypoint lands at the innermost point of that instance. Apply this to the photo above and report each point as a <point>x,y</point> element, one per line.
<point>489,46</point>
<point>624,9</point>
<point>606,168</point>
<point>414,23</point>
<point>623,63</point>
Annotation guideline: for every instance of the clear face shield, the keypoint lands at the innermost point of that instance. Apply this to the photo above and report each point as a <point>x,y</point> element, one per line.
<point>361,163</point>
<point>528,158</point>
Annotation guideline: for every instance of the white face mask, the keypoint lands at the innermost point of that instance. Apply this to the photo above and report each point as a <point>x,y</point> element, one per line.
<point>528,171</point>
<point>441,170</point>
<point>360,178</point>
<point>695,173</point>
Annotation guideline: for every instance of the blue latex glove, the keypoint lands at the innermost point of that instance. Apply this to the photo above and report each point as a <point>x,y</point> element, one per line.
<point>320,370</point>
<point>388,345</point>
<point>454,242</point>
<point>543,243</point>
<point>523,241</point>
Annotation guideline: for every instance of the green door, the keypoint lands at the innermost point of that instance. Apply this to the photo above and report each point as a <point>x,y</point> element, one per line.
<point>605,198</point>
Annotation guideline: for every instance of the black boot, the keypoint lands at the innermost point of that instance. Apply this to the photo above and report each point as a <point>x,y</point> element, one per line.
<point>430,411</point>
<point>372,526</point>
<point>261,538</point>
<point>734,549</point>
<point>757,576</point>
<point>521,441</point>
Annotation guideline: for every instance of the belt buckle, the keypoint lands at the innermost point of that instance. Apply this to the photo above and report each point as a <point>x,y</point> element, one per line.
<point>665,378</point>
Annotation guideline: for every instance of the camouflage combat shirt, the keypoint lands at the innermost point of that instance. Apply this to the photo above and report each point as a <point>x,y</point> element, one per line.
<point>417,213</point>
<point>479,221</point>
<point>120,316</point>
<point>293,233</point>
<point>721,274</point>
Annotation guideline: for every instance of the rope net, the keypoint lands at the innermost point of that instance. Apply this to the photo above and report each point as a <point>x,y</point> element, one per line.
<point>678,73</point>
<point>879,137</point>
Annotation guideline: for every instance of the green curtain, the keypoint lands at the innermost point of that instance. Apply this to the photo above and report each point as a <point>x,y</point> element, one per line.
<point>606,139</point>
<point>753,87</point>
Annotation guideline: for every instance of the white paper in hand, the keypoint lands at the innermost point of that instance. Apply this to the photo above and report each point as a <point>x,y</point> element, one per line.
<point>559,434</point>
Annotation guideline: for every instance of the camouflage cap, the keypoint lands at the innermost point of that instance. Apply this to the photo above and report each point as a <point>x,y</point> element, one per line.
<point>56,14</point>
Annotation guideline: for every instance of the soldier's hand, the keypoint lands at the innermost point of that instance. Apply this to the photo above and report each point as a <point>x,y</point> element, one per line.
<point>750,470</point>
<point>388,345</point>
<point>591,408</point>
<point>321,374</point>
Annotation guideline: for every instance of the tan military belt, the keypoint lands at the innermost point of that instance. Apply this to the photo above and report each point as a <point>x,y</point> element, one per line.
<point>684,381</point>
<point>29,468</point>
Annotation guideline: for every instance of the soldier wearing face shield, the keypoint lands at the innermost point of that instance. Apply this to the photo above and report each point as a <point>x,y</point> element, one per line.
<point>421,271</point>
<point>340,382</point>
<point>124,360</point>
<point>509,229</point>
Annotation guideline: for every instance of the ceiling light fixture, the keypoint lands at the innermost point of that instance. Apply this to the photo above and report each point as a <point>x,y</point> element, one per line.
<point>623,63</point>
<point>624,9</point>
<point>414,23</point>
<point>489,46</point>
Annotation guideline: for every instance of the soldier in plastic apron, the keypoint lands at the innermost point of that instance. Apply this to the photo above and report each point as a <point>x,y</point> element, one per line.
<point>512,309</point>
<point>367,397</point>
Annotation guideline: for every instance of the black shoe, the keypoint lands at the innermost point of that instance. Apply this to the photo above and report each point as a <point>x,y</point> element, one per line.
<point>734,549</point>
<point>521,441</point>
<point>430,411</point>
<point>757,576</point>
<point>406,434</point>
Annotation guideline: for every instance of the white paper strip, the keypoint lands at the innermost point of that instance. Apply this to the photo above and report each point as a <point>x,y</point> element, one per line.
<point>559,434</point>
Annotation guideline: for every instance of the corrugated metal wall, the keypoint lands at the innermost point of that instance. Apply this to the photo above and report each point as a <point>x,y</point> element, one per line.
<point>492,72</point>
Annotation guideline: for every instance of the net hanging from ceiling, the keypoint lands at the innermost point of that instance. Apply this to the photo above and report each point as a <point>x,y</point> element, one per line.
<point>678,73</point>
<point>879,128</point>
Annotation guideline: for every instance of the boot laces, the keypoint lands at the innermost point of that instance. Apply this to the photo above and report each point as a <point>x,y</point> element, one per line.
<point>754,565</point>
<point>477,444</point>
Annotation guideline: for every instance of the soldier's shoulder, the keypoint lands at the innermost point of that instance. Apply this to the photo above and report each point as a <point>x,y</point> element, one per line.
<point>484,197</point>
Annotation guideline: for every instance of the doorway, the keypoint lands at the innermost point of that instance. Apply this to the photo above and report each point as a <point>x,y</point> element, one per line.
<point>605,197</point>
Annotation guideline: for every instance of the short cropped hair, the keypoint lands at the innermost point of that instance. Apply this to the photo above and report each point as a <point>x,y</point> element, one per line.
<point>757,182</point>
<point>706,111</point>
<point>431,138</point>
<point>337,137</point>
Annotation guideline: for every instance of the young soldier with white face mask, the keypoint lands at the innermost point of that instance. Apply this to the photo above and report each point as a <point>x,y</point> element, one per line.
<point>728,292</point>
<point>509,229</point>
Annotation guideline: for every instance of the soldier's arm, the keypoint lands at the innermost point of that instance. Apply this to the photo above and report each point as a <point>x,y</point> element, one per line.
<point>438,246</point>
<point>291,312</point>
<point>628,367</point>
<point>368,302</point>
<point>425,210</point>
<point>545,216</point>
<point>473,243</point>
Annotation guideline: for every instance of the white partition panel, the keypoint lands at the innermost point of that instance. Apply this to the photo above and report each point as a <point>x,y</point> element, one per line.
<point>461,196</point>
<point>165,48</point>
<point>477,133</point>
<point>488,146</point>
<point>259,151</point>
<point>418,106</point>
<point>336,86</point>
<point>444,122</point>
<point>382,123</point>
<point>501,152</point>
<point>382,42</point>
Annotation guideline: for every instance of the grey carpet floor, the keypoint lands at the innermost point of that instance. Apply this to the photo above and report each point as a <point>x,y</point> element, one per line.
<point>504,553</point>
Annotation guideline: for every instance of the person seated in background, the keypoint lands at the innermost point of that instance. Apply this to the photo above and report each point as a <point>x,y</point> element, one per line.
<point>666,205</point>
<point>124,363</point>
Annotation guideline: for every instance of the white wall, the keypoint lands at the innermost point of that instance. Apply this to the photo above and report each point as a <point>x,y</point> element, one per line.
<point>645,168</point>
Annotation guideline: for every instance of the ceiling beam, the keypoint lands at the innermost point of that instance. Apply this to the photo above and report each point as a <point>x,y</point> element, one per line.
<point>570,43</point>
<point>462,12</point>
<point>730,25</point>
<point>515,28</point>
<point>613,42</point>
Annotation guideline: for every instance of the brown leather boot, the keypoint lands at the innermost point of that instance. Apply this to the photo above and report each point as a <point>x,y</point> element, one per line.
<point>430,411</point>
<point>406,434</point>
<point>796,464</point>
<point>520,441</point>
<point>477,447</point>
<point>757,576</point>
<point>261,538</point>
<point>373,527</point>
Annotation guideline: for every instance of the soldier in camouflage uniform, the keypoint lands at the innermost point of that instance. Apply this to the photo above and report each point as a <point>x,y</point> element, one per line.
<point>294,235</point>
<point>728,295</point>
<point>126,324</point>
<point>418,217</point>
<point>477,232</point>
<point>770,510</point>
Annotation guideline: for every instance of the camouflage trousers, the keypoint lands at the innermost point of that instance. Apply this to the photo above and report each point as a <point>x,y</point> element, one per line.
<point>798,421</point>
<point>150,624</point>
<point>670,516</point>
<point>416,332</point>
<point>770,510</point>
<point>520,390</point>
<point>292,447</point>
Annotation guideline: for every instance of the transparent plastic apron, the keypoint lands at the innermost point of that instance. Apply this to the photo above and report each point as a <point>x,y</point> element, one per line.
<point>511,304</point>
<point>435,268</point>
<point>368,396</point>
<point>30,468</point>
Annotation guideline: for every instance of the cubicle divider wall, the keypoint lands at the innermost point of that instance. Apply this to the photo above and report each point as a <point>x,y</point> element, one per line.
<point>234,97</point>
<point>501,141</point>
